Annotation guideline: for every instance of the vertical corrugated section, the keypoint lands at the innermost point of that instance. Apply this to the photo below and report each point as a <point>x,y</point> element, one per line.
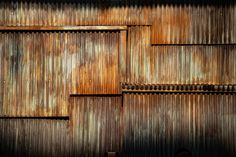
<point>95,125</point>
<point>178,64</point>
<point>163,124</point>
<point>95,64</point>
<point>48,13</point>
<point>34,74</point>
<point>194,24</point>
<point>172,22</point>
<point>138,47</point>
<point>40,69</point>
<point>33,137</point>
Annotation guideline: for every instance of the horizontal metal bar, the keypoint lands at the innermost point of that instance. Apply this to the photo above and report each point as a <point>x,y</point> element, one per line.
<point>25,117</point>
<point>177,91</point>
<point>217,44</point>
<point>95,95</point>
<point>61,28</point>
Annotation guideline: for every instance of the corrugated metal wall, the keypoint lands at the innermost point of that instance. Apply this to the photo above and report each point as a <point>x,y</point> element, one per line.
<point>40,69</point>
<point>33,137</point>
<point>167,43</point>
<point>173,22</point>
<point>161,124</point>
<point>177,64</point>
<point>96,125</point>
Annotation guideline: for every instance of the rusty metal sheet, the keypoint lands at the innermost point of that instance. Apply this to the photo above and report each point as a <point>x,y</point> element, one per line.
<point>163,124</point>
<point>194,24</point>
<point>40,69</point>
<point>95,63</point>
<point>33,137</point>
<point>169,64</point>
<point>96,125</point>
<point>171,23</point>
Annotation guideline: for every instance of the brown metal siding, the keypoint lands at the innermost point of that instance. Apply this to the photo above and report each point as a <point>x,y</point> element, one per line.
<point>33,137</point>
<point>40,69</point>
<point>171,24</point>
<point>95,63</point>
<point>95,126</point>
<point>169,64</point>
<point>172,49</point>
<point>161,124</point>
<point>194,24</point>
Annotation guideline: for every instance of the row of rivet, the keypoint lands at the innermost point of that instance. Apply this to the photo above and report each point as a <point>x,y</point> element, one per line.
<point>175,87</point>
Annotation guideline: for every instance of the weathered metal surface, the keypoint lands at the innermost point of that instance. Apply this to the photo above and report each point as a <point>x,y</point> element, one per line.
<point>40,69</point>
<point>194,24</point>
<point>180,22</point>
<point>196,64</point>
<point>33,137</point>
<point>45,58</point>
<point>96,63</point>
<point>95,126</point>
<point>162,124</point>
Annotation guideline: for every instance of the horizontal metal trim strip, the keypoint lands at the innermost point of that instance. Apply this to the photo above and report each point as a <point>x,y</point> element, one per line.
<point>95,95</point>
<point>61,28</point>
<point>24,117</point>
<point>217,44</point>
<point>165,91</point>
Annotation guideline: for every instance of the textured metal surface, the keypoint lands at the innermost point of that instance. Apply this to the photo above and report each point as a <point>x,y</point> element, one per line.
<point>162,124</point>
<point>169,44</point>
<point>33,137</point>
<point>180,22</point>
<point>194,24</point>
<point>196,64</point>
<point>95,125</point>
<point>39,70</point>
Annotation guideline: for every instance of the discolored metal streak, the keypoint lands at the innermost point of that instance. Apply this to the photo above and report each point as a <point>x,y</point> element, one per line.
<point>162,124</point>
<point>33,137</point>
<point>95,126</point>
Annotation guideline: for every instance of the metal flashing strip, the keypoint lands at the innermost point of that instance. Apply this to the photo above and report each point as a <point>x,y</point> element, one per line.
<point>95,95</point>
<point>35,118</point>
<point>62,28</point>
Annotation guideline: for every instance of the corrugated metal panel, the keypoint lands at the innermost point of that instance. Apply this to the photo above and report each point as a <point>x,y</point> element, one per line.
<point>67,13</point>
<point>40,69</point>
<point>194,24</point>
<point>95,125</point>
<point>33,137</point>
<point>179,22</point>
<point>162,124</point>
<point>138,47</point>
<point>95,63</point>
<point>177,64</point>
